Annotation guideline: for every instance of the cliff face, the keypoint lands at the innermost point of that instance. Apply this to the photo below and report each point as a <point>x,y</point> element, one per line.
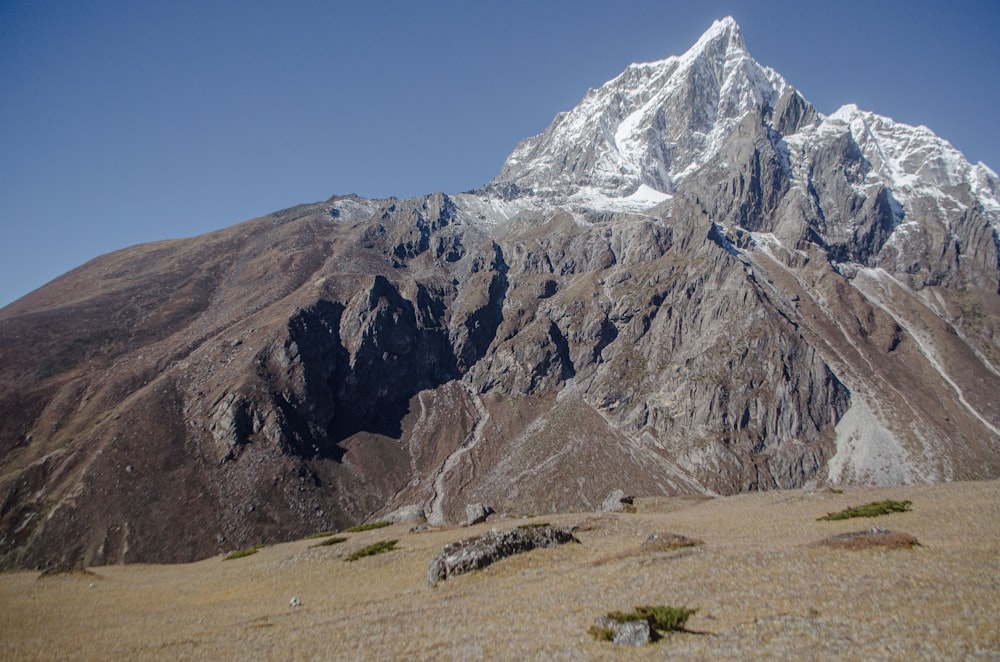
<point>813,300</point>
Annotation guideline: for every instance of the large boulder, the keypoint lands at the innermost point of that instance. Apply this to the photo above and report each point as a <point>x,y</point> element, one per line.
<point>460,557</point>
<point>616,502</point>
<point>476,513</point>
<point>411,513</point>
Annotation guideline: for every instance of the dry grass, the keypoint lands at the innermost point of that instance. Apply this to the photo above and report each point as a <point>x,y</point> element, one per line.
<point>870,539</point>
<point>657,543</point>
<point>761,591</point>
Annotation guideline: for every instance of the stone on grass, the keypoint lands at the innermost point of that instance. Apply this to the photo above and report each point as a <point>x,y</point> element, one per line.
<point>616,502</point>
<point>476,513</point>
<point>627,633</point>
<point>460,557</point>
<point>411,513</point>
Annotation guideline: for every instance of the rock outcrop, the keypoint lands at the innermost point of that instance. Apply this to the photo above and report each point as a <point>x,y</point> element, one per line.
<point>463,556</point>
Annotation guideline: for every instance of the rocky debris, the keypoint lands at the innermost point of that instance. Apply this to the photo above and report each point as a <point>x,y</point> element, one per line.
<point>667,542</point>
<point>629,633</point>
<point>411,513</point>
<point>873,537</point>
<point>460,557</point>
<point>476,513</point>
<point>617,502</point>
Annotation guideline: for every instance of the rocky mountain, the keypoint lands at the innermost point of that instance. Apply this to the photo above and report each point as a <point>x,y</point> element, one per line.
<point>692,282</point>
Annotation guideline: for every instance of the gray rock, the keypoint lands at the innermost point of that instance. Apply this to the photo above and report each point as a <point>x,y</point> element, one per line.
<point>411,513</point>
<point>629,633</point>
<point>615,502</point>
<point>633,633</point>
<point>460,557</point>
<point>476,513</point>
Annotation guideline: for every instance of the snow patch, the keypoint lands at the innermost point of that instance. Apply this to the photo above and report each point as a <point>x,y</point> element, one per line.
<point>644,197</point>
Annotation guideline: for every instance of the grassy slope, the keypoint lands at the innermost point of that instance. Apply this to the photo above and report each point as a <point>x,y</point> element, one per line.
<point>760,590</point>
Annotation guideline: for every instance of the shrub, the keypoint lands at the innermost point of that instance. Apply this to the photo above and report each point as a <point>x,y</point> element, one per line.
<point>372,550</point>
<point>601,633</point>
<point>367,527</point>
<point>873,509</point>
<point>330,541</point>
<point>243,552</point>
<point>666,619</point>
<point>661,619</point>
<point>320,534</point>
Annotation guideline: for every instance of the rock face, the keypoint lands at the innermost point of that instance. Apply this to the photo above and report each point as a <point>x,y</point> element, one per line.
<point>693,282</point>
<point>460,557</point>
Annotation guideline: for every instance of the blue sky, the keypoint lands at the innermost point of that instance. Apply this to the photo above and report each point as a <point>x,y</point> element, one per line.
<point>126,122</point>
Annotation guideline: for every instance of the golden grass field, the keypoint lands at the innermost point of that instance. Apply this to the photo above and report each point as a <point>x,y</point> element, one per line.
<point>761,590</point>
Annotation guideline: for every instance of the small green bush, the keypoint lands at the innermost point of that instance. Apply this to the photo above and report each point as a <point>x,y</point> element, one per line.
<point>372,550</point>
<point>666,619</point>
<point>330,541</point>
<point>661,619</point>
<point>243,552</point>
<point>320,534</point>
<point>873,509</point>
<point>601,633</point>
<point>367,527</point>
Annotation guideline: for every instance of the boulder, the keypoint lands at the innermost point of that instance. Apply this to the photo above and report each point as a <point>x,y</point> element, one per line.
<point>627,633</point>
<point>476,513</point>
<point>460,557</point>
<point>615,502</point>
<point>411,513</point>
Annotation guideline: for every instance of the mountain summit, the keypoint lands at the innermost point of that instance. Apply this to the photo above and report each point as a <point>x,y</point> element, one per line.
<point>651,126</point>
<point>692,282</point>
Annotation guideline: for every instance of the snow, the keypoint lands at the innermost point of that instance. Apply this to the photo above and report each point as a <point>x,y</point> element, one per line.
<point>634,132</point>
<point>644,198</point>
<point>629,132</point>
<point>483,209</point>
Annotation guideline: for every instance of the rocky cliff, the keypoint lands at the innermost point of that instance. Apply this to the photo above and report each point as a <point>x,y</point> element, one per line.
<point>692,282</point>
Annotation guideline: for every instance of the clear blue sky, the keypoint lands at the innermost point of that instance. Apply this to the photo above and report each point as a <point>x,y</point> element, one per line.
<point>132,121</point>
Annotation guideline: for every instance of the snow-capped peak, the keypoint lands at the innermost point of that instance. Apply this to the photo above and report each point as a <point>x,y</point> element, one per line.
<point>911,161</point>
<point>725,32</point>
<point>650,126</point>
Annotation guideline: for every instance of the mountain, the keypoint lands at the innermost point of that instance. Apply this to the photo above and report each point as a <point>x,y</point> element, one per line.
<point>693,282</point>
